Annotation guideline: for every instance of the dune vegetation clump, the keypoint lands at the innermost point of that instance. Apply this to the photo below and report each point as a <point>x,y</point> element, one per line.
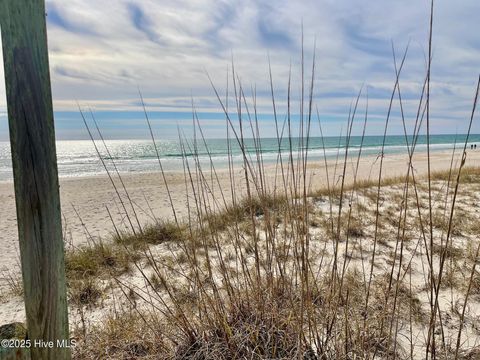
<point>265,266</point>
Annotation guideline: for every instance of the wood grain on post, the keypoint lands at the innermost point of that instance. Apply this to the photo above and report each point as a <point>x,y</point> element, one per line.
<point>32,137</point>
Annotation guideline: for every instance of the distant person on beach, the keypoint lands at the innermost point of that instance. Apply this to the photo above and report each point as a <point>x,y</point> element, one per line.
<point>475,146</point>
<point>471,146</point>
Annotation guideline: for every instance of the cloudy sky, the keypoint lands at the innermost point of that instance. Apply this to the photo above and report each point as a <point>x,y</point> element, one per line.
<point>101,52</point>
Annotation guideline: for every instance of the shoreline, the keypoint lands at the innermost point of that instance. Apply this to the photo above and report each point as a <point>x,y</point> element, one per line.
<point>471,154</point>
<point>140,166</point>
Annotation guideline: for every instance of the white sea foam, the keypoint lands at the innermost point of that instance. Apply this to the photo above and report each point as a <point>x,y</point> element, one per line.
<point>79,158</point>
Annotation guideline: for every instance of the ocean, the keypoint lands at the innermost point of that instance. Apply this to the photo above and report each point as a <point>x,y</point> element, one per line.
<point>78,157</point>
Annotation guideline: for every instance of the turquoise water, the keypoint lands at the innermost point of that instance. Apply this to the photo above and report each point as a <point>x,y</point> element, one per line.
<point>78,157</point>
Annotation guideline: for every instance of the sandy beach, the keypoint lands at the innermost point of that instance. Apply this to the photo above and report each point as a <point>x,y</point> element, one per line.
<point>85,200</point>
<point>85,216</point>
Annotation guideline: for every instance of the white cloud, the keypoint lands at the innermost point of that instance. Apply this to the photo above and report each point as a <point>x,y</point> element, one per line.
<point>101,51</point>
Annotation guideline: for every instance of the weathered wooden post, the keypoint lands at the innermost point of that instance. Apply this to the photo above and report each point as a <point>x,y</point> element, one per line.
<point>32,137</point>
